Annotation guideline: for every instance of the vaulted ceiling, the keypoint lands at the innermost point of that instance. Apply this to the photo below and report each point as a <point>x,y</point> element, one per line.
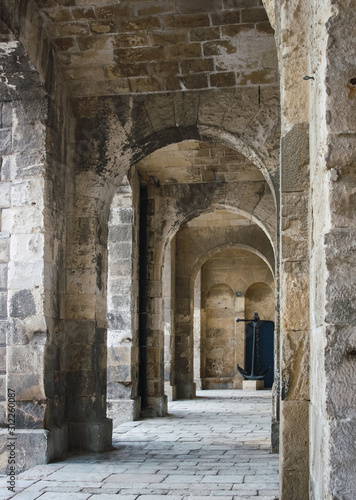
<point>107,47</point>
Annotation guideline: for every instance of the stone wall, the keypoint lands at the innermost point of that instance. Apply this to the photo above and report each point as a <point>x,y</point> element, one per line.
<point>260,298</point>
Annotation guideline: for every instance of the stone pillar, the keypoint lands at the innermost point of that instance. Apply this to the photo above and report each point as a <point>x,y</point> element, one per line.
<point>197,330</point>
<point>240,336</point>
<point>168,311</point>
<point>292,21</point>
<point>333,257</point>
<point>85,350</point>
<point>184,342</point>
<point>122,372</point>
<point>151,309</point>
<point>31,253</point>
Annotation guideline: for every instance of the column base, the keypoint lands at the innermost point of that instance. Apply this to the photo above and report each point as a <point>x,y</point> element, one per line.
<point>123,410</point>
<point>185,391</point>
<point>156,407</point>
<point>198,384</point>
<point>170,391</point>
<point>32,447</point>
<point>253,385</point>
<point>90,436</point>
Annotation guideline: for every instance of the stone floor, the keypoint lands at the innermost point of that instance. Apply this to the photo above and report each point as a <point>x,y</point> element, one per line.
<point>216,445</point>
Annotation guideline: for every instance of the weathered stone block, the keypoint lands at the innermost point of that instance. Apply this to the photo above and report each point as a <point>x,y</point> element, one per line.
<point>295,282</point>
<point>253,15</point>
<point>5,194</point>
<point>3,305</point>
<point>22,304</point>
<point>218,48</point>
<point>222,80</point>
<point>204,34</point>
<point>120,373</point>
<point>87,436</point>
<point>342,451</point>
<point>294,485</point>
<point>23,219</point>
<point>295,159</point>
<point>185,21</point>
<point>30,415</point>
<point>5,141</point>
<point>33,447</point>
<point>295,237</point>
<point>4,327</point>
<point>295,437</point>
<point>221,18</point>
<point>295,359</point>
<point>2,360</point>
<point>27,386</point>
<point>340,366</point>
<point>340,261</point>
<point>28,192</point>
<point>123,410</point>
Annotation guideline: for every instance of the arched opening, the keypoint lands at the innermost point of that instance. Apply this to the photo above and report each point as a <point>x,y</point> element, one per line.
<point>208,189</point>
<point>220,192</point>
<point>238,268</point>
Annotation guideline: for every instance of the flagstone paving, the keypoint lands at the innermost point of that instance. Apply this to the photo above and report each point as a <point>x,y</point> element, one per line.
<point>217,445</point>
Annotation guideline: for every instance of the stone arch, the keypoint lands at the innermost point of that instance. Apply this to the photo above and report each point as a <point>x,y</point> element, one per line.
<point>107,141</point>
<point>125,129</point>
<point>188,267</point>
<point>194,213</point>
<point>227,246</point>
<point>229,261</point>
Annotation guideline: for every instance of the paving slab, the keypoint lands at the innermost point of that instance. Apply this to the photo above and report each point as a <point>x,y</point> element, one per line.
<point>217,445</point>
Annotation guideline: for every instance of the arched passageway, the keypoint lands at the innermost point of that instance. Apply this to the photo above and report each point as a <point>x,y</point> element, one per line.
<point>238,206</point>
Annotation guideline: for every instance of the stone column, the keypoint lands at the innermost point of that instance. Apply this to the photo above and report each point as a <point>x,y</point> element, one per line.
<point>240,336</point>
<point>85,350</point>
<point>31,254</point>
<point>169,309</point>
<point>333,257</point>
<point>151,309</point>
<point>184,342</point>
<point>122,371</point>
<point>291,33</point>
<point>197,330</point>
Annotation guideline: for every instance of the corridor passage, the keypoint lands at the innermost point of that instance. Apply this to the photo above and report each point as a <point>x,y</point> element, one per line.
<point>216,445</point>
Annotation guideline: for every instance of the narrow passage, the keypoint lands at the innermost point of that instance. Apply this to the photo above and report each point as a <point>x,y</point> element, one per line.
<point>216,445</point>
